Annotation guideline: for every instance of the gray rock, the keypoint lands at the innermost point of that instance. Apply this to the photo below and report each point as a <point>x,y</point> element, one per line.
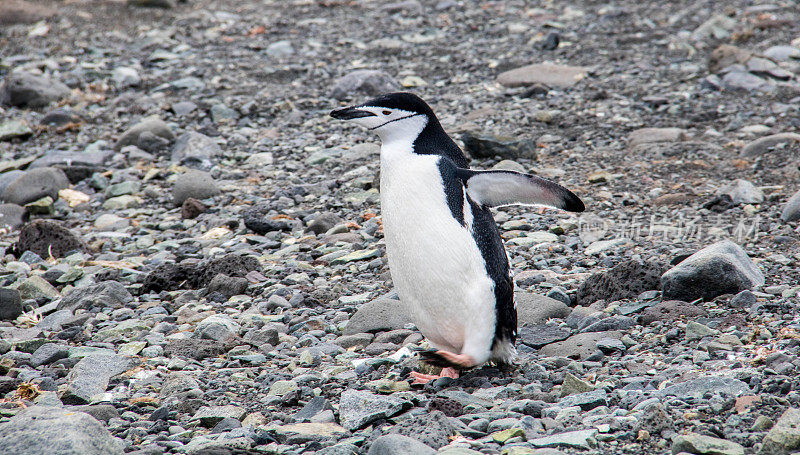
<point>721,268</point>
<point>125,76</point>
<point>783,53</point>
<point>364,82</point>
<point>218,327</point>
<point>615,322</point>
<point>212,415</point>
<point>586,400</point>
<point>13,215</point>
<point>90,376</point>
<point>62,160</point>
<point>543,334</point>
<point>40,430</point>
<point>35,184</point>
<point>650,135</point>
<point>744,299</point>
<point>743,192</point>
<point>551,75</point>
<point>791,210</point>
<point>280,49</point>
<point>488,146</point>
<point>696,388</point>
<point>358,408</point>
<point>152,125</point>
<point>324,222</point>
<point>535,309</point>
<point>23,89</point>
<point>764,144</point>
<point>194,184</point>
<point>784,437</point>
<point>10,304</point>
<point>377,315</point>
<point>705,445</point>
<point>49,353</point>
<point>106,294</point>
<point>578,346</point>
<point>195,150</point>
<point>312,408</point>
<point>396,444</point>
<point>179,385</point>
<point>581,439</point>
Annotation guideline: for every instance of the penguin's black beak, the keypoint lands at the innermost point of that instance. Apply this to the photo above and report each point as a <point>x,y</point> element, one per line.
<point>350,113</point>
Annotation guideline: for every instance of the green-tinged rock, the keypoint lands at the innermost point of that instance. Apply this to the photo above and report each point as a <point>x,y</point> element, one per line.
<point>388,386</point>
<point>581,439</point>
<point>359,255</point>
<point>36,287</point>
<point>13,129</point>
<point>784,437</point>
<point>122,202</point>
<point>281,388</point>
<point>29,346</point>
<point>503,436</point>
<point>211,415</point>
<point>705,445</point>
<point>132,348</point>
<point>572,385</point>
<point>126,329</point>
<point>299,433</point>
<point>43,206</point>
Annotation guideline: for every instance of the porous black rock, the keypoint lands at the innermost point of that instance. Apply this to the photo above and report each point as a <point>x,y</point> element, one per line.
<point>626,280</point>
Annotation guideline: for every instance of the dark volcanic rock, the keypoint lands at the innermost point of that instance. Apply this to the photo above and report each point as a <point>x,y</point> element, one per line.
<point>192,208</point>
<point>168,277</point>
<point>491,146</point>
<point>173,276</point>
<point>626,280</point>
<point>10,304</point>
<point>47,238</point>
<point>260,223</point>
<point>233,265</point>
<point>721,268</point>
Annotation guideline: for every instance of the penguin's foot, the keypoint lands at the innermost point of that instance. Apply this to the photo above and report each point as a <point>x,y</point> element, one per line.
<point>447,359</point>
<point>420,378</point>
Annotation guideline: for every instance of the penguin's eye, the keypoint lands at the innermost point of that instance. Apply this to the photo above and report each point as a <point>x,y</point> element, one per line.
<point>386,112</point>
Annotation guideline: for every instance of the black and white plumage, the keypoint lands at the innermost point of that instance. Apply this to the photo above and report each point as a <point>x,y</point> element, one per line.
<point>446,256</point>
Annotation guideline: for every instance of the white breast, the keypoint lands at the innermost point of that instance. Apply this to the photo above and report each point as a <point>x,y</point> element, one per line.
<point>436,266</point>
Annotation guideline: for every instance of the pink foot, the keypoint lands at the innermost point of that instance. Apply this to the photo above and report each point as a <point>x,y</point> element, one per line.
<point>420,378</point>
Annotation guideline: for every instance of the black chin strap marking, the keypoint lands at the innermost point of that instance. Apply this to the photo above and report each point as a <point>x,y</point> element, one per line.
<point>395,120</point>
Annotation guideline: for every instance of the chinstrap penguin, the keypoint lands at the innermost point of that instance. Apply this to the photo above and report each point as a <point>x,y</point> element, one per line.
<point>446,257</point>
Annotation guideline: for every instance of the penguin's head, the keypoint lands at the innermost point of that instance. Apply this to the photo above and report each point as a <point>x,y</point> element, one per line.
<point>390,115</point>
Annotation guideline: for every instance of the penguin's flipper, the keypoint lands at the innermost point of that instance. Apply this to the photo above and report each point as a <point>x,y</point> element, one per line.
<point>496,188</point>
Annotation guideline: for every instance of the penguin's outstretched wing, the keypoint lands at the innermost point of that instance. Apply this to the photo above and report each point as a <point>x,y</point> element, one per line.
<point>496,188</point>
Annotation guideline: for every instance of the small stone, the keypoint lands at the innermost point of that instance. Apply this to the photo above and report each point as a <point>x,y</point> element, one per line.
<point>503,436</point>
<point>125,76</point>
<point>396,444</point>
<point>695,388</point>
<point>762,145</point>
<point>696,331</point>
<point>106,294</point>
<point>560,76</point>
<point>217,327</point>
<point>581,439</point>
<point>705,445</point>
<point>535,309</point>
<point>743,192</point>
<point>209,416</point>
<point>165,4</point>
<point>13,216</point>
<point>260,159</point>
<point>364,82</point>
<point>744,299</point>
<point>651,135</point>
<point>280,49</point>
<point>151,125</point>
<point>579,346</point>
<point>23,89</point>
<point>572,385</point>
<point>282,388</point>
<point>35,184</point>
<point>194,184</point>
<point>377,315</point>
<point>791,210</point>
<point>192,208</point>
<point>14,129</point>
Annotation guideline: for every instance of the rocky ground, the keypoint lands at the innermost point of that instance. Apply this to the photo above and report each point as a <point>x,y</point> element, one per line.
<point>193,257</point>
